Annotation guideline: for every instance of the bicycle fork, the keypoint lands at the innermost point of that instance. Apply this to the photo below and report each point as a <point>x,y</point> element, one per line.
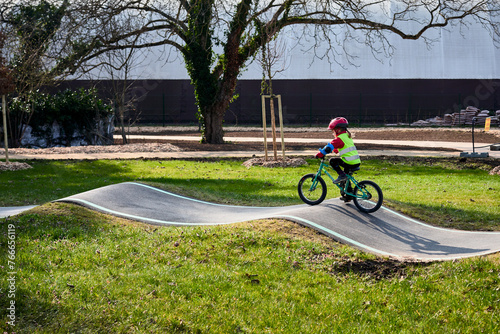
<point>315,181</point>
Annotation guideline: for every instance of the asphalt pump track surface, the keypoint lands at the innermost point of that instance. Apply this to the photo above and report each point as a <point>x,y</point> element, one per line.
<point>385,232</point>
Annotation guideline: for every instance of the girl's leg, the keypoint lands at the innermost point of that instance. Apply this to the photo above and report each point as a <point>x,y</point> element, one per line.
<point>336,164</point>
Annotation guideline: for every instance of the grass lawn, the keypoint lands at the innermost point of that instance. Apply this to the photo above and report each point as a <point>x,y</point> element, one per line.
<point>444,192</point>
<point>78,271</point>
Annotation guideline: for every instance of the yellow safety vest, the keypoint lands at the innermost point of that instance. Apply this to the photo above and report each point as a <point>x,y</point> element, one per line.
<point>349,154</point>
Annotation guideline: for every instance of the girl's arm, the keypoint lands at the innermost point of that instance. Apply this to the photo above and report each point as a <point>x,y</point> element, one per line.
<point>332,146</point>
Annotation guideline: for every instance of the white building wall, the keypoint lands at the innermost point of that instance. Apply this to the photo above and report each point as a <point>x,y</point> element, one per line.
<point>455,53</point>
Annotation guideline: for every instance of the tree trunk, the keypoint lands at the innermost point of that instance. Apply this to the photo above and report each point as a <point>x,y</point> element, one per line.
<point>121,114</point>
<point>214,86</point>
<point>213,122</point>
<point>214,97</point>
<point>122,125</point>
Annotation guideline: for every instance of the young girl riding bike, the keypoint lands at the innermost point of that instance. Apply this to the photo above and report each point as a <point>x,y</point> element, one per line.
<point>344,146</point>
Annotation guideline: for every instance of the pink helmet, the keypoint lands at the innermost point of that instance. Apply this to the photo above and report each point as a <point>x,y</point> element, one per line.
<point>338,122</point>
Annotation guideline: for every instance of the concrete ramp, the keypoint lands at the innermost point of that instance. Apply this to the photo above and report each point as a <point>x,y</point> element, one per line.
<point>385,232</point>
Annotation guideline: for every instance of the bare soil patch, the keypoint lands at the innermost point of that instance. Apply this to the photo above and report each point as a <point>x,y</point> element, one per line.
<point>386,133</point>
<point>383,133</point>
<point>495,171</point>
<point>255,146</point>
<point>91,149</point>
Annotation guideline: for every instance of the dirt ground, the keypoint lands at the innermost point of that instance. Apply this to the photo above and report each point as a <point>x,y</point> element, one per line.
<point>415,134</point>
<point>411,134</point>
<point>386,133</point>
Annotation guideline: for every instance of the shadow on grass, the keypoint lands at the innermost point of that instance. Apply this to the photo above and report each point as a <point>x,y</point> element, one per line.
<point>249,192</point>
<point>51,180</point>
<point>447,164</point>
<point>450,217</point>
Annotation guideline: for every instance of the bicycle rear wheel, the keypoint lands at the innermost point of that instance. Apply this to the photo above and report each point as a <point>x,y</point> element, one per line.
<point>312,189</point>
<point>368,196</point>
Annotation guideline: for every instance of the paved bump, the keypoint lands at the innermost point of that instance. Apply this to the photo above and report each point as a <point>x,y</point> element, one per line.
<point>385,232</point>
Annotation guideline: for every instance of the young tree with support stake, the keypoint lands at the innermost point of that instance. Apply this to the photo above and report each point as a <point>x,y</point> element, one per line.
<point>273,53</point>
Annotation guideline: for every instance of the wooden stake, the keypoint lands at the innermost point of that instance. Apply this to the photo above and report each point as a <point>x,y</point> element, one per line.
<point>264,124</point>
<point>6,143</point>
<point>281,126</point>
<point>273,121</point>
<point>273,127</point>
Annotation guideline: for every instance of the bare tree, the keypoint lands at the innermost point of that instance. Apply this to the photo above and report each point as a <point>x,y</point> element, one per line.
<point>217,39</point>
<point>116,67</point>
<point>273,60</point>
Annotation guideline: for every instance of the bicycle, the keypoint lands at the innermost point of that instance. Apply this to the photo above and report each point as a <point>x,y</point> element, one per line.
<point>366,195</point>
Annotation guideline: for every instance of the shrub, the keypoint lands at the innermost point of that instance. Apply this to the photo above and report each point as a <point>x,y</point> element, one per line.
<point>79,115</point>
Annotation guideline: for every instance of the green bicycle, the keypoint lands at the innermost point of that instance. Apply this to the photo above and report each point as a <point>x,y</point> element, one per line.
<point>366,195</point>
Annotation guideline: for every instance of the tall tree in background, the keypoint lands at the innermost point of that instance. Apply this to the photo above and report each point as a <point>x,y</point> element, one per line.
<point>217,39</point>
<point>33,32</point>
<point>35,27</point>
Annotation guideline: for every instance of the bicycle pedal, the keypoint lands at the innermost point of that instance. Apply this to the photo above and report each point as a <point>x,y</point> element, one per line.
<point>345,199</point>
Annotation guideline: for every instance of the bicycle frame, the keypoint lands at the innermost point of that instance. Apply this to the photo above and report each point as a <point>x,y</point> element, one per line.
<point>343,186</point>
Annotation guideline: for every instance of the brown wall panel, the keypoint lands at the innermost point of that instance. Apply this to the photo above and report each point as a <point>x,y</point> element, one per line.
<point>314,102</point>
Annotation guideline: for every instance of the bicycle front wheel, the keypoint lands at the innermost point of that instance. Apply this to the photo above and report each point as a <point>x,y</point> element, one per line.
<point>368,196</point>
<point>312,189</point>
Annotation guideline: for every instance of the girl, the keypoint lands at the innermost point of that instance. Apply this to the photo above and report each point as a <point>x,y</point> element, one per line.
<point>344,146</point>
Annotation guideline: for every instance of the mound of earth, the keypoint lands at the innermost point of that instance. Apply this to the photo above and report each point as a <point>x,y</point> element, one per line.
<point>495,171</point>
<point>4,166</point>
<point>288,162</point>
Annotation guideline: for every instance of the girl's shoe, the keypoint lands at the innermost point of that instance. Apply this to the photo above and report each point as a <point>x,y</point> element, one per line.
<point>346,199</point>
<point>341,178</point>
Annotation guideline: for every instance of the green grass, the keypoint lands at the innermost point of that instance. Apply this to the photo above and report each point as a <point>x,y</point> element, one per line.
<point>79,271</point>
<point>444,192</point>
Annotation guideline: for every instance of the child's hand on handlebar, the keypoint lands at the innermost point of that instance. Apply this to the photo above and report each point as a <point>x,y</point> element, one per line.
<point>319,155</point>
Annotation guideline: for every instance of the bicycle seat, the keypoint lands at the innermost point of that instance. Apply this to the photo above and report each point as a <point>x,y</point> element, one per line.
<point>355,169</point>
